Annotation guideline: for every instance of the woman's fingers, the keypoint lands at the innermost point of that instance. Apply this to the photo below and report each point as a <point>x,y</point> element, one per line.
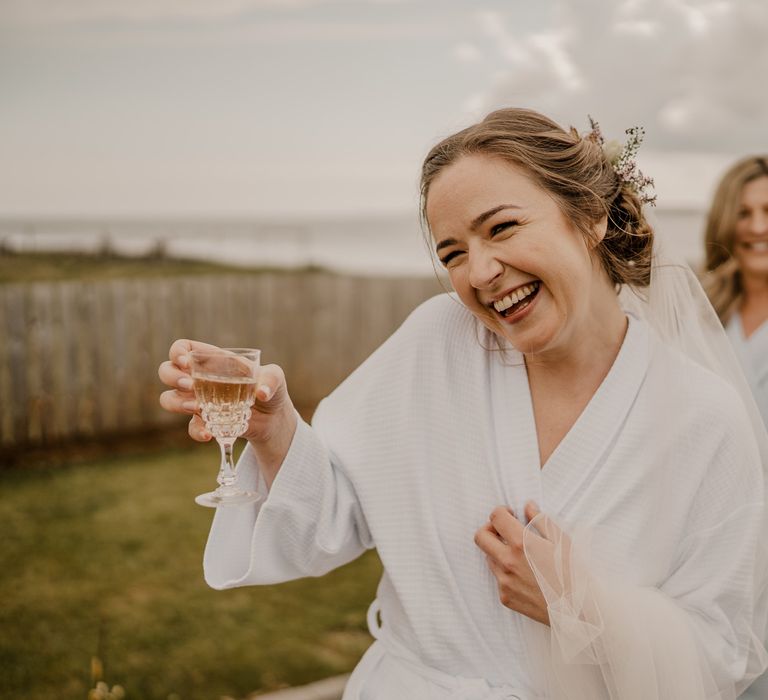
<point>488,540</point>
<point>180,349</point>
<point>172,376</point>
<point>506,524</point>
<point>271,381</point>
<point>178,401</point>
<point>174,373</point>
<point>197,429</point>
<point>531,510</point>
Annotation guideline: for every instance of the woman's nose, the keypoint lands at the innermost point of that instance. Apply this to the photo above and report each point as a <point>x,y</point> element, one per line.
<point>484,267</point>
<point>758,223</point>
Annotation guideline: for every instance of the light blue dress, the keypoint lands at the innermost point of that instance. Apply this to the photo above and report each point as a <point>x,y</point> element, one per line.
<point>753,356</point>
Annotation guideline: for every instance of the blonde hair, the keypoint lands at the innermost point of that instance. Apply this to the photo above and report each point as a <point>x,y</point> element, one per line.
<point>573,169</point>
<point>722,278</point>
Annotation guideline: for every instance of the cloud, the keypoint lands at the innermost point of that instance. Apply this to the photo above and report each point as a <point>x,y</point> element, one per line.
<point>691,71</point>
<point>467,53</point>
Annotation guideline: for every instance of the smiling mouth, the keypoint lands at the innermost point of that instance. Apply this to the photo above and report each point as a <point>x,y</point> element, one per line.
<point>516,300</point>
<point>756,246</point>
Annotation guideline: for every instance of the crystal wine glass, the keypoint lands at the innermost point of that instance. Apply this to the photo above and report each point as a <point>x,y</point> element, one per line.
<point>225,381</point>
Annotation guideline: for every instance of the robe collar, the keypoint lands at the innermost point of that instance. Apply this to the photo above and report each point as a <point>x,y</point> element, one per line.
<point>584,448</point>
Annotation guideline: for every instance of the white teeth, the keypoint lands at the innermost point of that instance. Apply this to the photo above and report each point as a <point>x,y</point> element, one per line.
<point>760,246</point>
<point>515,297</point>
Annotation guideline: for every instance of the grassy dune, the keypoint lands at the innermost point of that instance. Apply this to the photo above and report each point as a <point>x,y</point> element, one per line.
<point>104,558</point>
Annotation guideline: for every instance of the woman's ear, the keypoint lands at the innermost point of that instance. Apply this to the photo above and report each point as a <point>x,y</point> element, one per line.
<point>599,229</point>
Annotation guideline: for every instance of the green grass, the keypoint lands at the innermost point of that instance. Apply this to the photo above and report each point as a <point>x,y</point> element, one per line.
<point>104,558</point>
<point>36,267</point>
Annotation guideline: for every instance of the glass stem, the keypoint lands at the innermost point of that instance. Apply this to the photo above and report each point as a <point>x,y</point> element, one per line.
<point>226,476</point>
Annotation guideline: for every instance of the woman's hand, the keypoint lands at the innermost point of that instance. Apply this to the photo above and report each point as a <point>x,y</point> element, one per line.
<point>273,418</point>
<point>501,538</point>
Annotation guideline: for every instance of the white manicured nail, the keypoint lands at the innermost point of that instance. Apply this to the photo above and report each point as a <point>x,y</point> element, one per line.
<point>185,383</point>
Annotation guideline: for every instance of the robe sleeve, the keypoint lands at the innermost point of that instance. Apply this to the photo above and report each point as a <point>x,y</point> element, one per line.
<point>309,522</point>
<point>718,579</point>
<point>698,633</point>
<point>312,521</point>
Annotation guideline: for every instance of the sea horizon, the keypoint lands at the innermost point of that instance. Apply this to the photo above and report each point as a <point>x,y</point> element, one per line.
<point>371,243</point>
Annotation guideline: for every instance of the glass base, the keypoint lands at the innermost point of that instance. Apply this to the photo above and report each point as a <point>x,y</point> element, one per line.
<point>214,499</point>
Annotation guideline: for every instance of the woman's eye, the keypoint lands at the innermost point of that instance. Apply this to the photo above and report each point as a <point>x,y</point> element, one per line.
<point>500,228</point>
<point>446,259</point>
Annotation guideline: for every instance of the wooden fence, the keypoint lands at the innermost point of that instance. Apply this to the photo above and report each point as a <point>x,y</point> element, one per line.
<point>79,359</point>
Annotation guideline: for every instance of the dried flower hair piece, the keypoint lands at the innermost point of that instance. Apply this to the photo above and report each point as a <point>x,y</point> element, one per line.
<point>622,159</point>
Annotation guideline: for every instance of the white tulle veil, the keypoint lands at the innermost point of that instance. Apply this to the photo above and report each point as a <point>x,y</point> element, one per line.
<point>608,640</point>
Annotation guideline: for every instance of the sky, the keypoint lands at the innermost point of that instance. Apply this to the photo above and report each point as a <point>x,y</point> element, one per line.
<point>249,108</point>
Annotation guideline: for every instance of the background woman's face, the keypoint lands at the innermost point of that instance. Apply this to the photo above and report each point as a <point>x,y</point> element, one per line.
<point>513,257</point>
<point>751,232</point>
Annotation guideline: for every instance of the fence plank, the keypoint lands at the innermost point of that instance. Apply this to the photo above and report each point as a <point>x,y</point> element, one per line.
<point>7,398</point>
<point>36,360</point>
<point>16,346</point>
<point>88,398</point>
<point>108,303</point>
<point>59,410</point>
<point>68,348</point>
<point>162,319</point>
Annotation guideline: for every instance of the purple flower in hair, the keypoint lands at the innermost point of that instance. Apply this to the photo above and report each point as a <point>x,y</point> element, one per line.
<point>622,159</point>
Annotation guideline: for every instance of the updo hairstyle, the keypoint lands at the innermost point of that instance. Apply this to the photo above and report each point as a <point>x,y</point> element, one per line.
<point>573,169</point>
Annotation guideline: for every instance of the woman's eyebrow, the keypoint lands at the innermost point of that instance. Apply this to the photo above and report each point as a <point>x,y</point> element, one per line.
<point>488,214</point>
<point>445,243</point>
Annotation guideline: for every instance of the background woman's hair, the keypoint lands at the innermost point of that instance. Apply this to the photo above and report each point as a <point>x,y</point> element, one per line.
<point>573,169</point>
<point>721,278</point>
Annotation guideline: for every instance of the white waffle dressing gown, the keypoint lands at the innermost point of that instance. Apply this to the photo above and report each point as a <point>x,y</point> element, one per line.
<point>412,452</point>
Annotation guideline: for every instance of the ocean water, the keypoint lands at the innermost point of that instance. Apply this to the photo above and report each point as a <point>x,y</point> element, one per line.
<point>375,245</point>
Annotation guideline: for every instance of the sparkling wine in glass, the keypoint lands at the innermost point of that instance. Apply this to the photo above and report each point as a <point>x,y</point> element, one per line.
<point>225,381</point>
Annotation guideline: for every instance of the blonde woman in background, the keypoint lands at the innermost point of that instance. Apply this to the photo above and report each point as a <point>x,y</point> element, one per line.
<point>736,278</point>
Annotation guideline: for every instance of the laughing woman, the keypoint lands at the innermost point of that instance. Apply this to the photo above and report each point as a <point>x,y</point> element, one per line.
<point>564,485</point>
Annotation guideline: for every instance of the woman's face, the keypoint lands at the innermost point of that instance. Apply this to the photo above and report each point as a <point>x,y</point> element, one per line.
<point>750,245</point>
<point>512,256</point>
